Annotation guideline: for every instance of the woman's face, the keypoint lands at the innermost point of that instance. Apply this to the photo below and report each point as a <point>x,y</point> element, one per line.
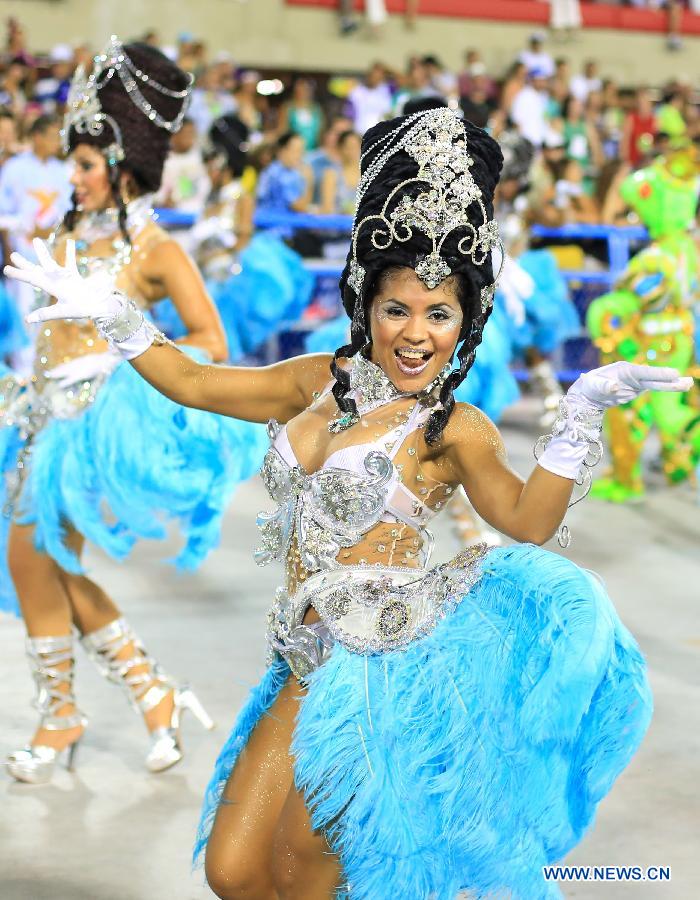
<point>349,150</point>
<point>90,179</point>
<point>292,154</point>
<point>414,330</point>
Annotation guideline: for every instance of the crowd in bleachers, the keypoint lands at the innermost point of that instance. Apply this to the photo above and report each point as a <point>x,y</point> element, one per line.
<point>292,142</point>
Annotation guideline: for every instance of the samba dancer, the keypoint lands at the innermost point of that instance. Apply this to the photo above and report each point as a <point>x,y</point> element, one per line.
<point>420,730</point>
<point>86,433</point>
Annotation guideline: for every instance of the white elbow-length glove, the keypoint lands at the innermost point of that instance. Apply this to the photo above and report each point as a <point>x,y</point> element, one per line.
<point>573,447</point>
<point>94,297</point>
<point>575,437</point>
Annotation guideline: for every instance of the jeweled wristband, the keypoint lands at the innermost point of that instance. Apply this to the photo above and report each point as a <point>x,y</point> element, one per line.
<point>129,331</point>
<point>124,324</point>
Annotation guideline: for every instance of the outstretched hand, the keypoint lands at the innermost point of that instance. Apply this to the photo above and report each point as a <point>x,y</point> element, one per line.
<point>621,382</point>
<point>77,297</point>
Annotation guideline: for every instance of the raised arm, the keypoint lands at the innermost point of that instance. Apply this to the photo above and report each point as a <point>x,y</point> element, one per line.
<point>533,510</point>
<point>280,391</point>
<point>173,274</point>
<point>256,394</point>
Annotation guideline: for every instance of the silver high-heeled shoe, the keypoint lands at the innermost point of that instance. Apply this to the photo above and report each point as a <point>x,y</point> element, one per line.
<point>145,690</point>
<point>36,764</point>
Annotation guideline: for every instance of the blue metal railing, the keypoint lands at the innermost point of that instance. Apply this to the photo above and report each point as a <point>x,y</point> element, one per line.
<point>619,241</point>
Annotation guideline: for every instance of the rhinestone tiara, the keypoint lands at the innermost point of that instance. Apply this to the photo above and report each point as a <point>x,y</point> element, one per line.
<point>83,108</point>
<point>437,142</point>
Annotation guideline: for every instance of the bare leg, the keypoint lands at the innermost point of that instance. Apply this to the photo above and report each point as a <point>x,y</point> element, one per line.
<point>304,866</point>
<point>241,859</point>
<point>91,609</point>
<point>411,12</point>
<point>46,611</point>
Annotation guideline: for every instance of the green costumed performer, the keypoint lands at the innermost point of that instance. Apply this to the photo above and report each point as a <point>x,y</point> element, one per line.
<point>648,319</point>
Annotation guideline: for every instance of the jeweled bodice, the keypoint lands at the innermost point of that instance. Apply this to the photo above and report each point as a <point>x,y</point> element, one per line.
<point>322,512</point>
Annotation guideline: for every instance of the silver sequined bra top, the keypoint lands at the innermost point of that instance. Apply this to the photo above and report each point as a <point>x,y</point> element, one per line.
<point>355,489</point>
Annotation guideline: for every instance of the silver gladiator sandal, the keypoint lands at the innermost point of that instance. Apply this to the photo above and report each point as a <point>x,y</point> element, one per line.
<point>144,690</point>
<point>35,765</point>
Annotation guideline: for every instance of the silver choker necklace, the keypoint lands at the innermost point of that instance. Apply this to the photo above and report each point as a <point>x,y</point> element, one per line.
<point>373,388</point>
<point>102,223</point>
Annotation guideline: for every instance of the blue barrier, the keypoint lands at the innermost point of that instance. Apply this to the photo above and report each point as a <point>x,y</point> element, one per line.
<point>578,353</point>
<point>619,239</point>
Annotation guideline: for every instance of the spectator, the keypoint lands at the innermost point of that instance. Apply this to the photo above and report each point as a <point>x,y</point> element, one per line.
<point>586,81</point>
<point>529,109</point>
<point>670,116</point>
<point>51,92</point>
<point>9,145</point>
<point>370,101</point>
<point>13,87</point>
<point>638,130</point>
<point>556,196</point>
<point>473,60</point>
<point>564,17</point>
<point>476,106</point>
<point>327,155</point>
<point>441,79</point>
<point>302,114</point>
<point>562,73</point>
<point>185,185</point>
<point>34,195</point>
<point>613,210</point>
<point>375,11</point>
<point>247,102</point>
<point>514,81</point>
<point>285,185</point>
<point>581,141</point>
<point>608,117</point>
<point>347,22</point>
<point>34,186</point>
<point>417,86</point>
<point>339,184</point>
<point>536,58</point>
<point>211,99</point>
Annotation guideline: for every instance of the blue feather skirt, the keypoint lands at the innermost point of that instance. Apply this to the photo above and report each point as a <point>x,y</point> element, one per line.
<point>133,461</point>
<point>478,754</point>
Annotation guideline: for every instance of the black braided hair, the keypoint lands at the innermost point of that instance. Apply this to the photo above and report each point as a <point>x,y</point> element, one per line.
<point>469,279</point>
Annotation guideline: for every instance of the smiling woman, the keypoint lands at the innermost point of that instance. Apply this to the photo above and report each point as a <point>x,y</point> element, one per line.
<point>419,731</point>
<point>420,331</point>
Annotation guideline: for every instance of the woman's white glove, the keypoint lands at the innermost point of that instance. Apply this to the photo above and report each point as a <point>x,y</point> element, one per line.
<point>575,437</point>
<point>84,368</point>
<point>574,446</point>
<point>621,382</point>
<point>91,297</point>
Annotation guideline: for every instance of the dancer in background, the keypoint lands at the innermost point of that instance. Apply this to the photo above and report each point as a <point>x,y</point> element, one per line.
<point>420,730</point>
<point>90,450</point>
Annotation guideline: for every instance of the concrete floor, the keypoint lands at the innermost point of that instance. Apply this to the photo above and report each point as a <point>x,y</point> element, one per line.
<point>114,832</point>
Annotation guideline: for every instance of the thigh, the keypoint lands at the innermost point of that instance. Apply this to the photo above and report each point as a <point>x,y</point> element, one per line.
<point>304,865</point>
<point>239,850</point>
<point>37,580</point>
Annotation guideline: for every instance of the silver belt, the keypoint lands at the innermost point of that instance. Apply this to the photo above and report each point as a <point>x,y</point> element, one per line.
<point>372,610</point>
